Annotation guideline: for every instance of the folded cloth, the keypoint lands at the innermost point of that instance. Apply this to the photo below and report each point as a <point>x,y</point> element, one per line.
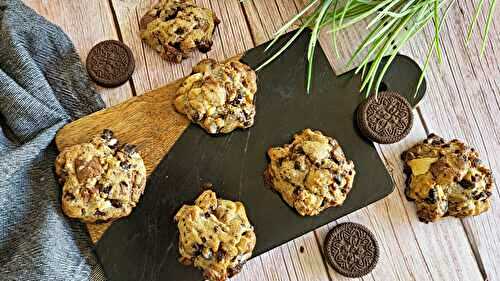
<point>42,87</point>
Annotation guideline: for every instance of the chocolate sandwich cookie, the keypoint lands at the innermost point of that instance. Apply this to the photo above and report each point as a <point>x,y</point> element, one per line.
<point>351,249</point>
<point>110,63</point>
<point>385,118</point>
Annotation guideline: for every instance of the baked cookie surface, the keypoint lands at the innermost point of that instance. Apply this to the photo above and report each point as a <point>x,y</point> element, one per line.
<point>446,179</point>
<point>101,181</point>
<point>174,28</point>
<point>215,236</point>
<point>311,174</point>
<point>219,96</point>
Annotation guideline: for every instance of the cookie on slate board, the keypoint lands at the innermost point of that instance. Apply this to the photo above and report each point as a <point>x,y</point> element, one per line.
<point>110,63</point>
<point>446,179</point>
<point>175,28</point>
<point>311,174</point>
<point>385,118</point>
<point>215,236</point>
<point>351,249</point>
<point>101,181</point>
<point>219,96</point>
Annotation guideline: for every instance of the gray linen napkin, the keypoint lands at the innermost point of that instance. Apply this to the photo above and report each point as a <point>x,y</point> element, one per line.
<point>42,87</point>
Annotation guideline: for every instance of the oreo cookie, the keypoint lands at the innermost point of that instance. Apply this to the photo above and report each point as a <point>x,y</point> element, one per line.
<point>110,63</point>
<point>351,249</point>
<point>385,118</point>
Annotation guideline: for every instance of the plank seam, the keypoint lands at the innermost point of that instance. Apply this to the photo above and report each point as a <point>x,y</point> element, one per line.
<point>120,37</point>
<point>330,278</point>
<point>247,20</point>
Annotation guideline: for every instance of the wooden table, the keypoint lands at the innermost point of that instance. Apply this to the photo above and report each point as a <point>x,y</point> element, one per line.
<point>463,101</point>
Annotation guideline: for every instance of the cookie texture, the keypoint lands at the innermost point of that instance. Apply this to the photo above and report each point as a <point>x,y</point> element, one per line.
<point>101,180</point>
<point>174,28</point>
<point>219,96</point>
<point>446,179</point>
<point>311,174</point>
<point>351,249</point>
<point>215,236</point>
<point>385,118</point>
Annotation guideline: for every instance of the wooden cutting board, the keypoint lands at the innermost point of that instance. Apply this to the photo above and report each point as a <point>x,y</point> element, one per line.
<point>149,121</point>
<point>143,243</point>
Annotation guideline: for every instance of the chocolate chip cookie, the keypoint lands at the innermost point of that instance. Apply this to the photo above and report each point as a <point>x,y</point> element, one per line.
<point>311,174</point>
<point>215,236</point>
<point>219,96</point>
<point>174,28</point>
<point>101,180</point>
<point>446,179</point>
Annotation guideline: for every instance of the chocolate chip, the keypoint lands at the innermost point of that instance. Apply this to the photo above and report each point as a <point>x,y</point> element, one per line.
<point>107,134</point>
<point>431,196</point>
<point>466,184</point>
<point>480,196</point>
<point>99,213</point>
<point>196,117</point>
<point>232,271</point>
<point>203,239</point>
<point>297,165</point>
<point>69,196</point>
<point>221,254</point>
<point>106,189</point>
<point>116,203</point>
<point>180,31</point>
<point>207,215</point>
<point>125,165</point>
<point>129,149</point>
<point>337,179</point>
<point>204,45</point>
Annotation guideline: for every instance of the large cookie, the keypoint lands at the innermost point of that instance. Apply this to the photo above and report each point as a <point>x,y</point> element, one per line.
<point>174,28</point>
<point>311,174</point>
<point>446,179</point>
<point>101,181</point>
<point>219,96</point>
<point>215,236</point>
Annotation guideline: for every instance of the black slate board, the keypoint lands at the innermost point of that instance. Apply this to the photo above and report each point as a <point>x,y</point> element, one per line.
<point>144,245</point>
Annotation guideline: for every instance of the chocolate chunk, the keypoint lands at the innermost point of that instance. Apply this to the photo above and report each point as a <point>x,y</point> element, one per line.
<point>232,271</point>
<point>107,134</point>
<point>351,249</point>
<point>204,45</point>
<point>116,203</point>
<point>145,20</point>
<point>221,254</point>
<point>129,149</point>
<point>106,189</point>
<point>125,165</point>
<point>385,118</point>
<point>110,63</point>
<point>88,169</point>
<point>431,196</point>
<point>466,184</point>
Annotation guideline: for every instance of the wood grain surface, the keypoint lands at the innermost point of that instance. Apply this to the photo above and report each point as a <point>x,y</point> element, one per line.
<point>463,101</point>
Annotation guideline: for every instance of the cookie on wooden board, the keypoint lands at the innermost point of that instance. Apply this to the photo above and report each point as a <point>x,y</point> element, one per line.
<point>175,28</point>
<point>110,63</point>
<point>385,118</point>
<point>351,249</point>
<point>446,179</point>
<point>219,96</point>
<point>101,181</point>
<point>215,235</point>
<point>311,174</point>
